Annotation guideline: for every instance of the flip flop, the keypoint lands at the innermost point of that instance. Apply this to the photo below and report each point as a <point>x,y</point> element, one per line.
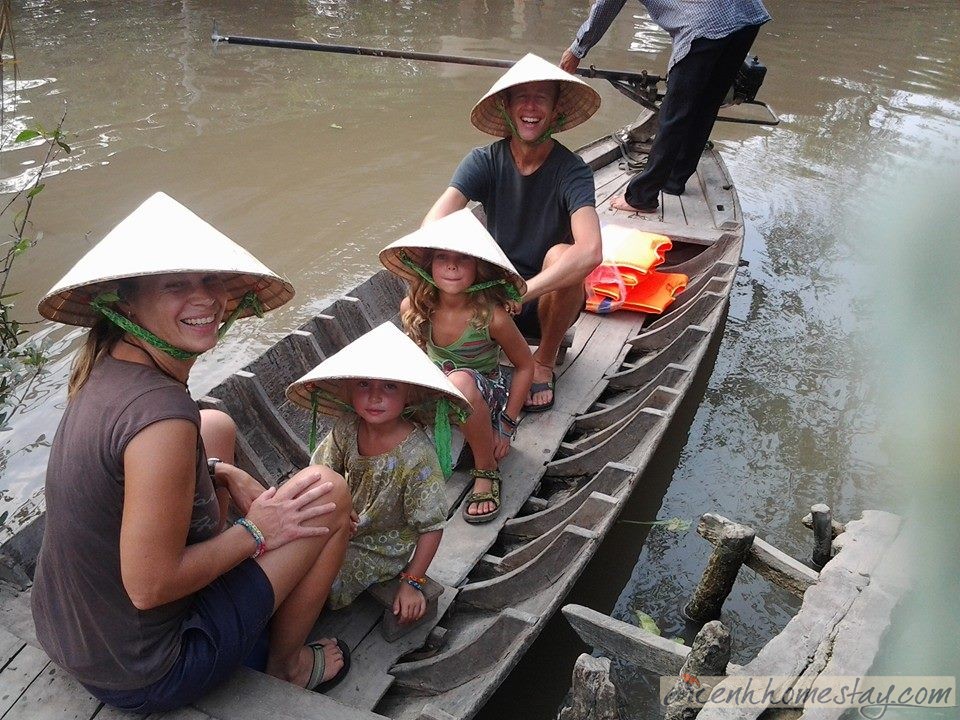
<point>320,663</point>
<point>540,387</point>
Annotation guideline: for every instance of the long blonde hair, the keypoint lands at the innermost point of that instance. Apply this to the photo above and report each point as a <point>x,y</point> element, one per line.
<point>425,298</point>
<point>99,341</point>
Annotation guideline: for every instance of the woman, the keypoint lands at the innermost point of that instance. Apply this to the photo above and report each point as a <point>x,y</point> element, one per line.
<point>141,590</point>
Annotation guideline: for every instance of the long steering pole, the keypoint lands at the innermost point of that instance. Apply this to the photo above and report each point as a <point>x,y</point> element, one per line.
<point>641,87</point>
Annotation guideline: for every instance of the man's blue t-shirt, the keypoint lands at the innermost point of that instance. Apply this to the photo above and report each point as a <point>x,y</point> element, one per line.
<point>527,215</point>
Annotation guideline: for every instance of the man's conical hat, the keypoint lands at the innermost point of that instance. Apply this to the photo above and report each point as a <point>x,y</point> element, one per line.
<point>460,232</point>
<point>159,237</point>
<point>577,102</point>
<point>384,353</point>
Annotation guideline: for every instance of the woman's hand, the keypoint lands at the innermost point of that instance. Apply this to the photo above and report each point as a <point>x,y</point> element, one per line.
<point>241,485</point>
<point>283,514</point>
<point>409,604</point>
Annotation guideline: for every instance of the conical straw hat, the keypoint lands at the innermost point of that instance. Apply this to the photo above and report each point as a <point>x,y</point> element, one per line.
<point>384,353</point>
<point>577,102</point>
<point>460,232</point>
<point>161,236</point>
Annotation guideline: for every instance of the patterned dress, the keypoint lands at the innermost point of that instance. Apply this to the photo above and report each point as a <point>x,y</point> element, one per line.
<point>398,495</point>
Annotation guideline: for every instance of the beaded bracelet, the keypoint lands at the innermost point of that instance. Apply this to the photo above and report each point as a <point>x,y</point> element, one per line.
<point>413,581</point>
<point>257,536</point>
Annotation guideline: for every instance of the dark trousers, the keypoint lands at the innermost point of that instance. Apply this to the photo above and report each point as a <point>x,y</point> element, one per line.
<point>696,87</point>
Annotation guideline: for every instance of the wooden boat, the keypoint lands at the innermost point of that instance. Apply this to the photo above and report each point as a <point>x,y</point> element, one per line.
<point>564,483</point>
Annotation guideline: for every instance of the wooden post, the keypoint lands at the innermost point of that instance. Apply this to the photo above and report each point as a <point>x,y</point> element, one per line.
<point>594,696</point>
<point>708,658</point>
<point>822,535</point>
<point>720,573</point>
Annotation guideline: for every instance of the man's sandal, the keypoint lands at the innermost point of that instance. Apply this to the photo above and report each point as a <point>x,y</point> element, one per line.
<point>492,496</point>
<point>316,682</point>
<point>539,387</point>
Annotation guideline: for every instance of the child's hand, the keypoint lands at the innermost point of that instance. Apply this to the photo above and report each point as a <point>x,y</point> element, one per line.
<point>355,523</point>
<point>409,605</point>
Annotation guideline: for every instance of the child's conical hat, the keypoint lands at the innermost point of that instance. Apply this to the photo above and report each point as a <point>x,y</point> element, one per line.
<point>384,353</point>
<point>161,236</point>
<point>460,232</point>
<point>577,102</point>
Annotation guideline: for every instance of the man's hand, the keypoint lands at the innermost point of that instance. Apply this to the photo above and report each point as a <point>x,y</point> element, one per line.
<point>569,62</point>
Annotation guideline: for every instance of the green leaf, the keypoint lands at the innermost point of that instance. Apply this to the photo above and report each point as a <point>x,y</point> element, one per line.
<point>21,246</point>
<point>27,135</point>
<point>647,623</point>
<point>676,525</point>
<point>678,640</point>
<point>36,191</point>
<point>64,146</point>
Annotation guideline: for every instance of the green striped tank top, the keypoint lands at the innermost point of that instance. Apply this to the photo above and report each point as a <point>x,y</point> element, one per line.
<point>474,350</point>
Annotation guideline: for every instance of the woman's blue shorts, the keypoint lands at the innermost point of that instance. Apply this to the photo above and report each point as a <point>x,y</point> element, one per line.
<point>225,628</point>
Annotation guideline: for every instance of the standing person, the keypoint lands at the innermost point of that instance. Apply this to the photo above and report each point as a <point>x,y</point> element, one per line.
<point>711,38</point>
<point>373,387</point>
<point>454,310</point>
<point>141,591</point>
<point>539,200</point>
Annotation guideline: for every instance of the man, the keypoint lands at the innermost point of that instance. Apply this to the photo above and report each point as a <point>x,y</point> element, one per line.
<point>539,199</point>
<point>711,38</point>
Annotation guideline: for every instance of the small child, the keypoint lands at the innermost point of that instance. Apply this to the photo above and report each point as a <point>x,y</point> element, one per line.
<point>461,286</point>
<point>373,386</point>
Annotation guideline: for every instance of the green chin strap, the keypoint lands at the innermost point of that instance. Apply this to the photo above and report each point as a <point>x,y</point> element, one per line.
<point>509,288</point>
<point>442,434</point>
<point>547,134</point>
<point>102,302</point>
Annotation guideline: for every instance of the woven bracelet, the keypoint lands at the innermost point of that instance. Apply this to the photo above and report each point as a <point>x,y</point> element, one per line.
<point>256,534</point>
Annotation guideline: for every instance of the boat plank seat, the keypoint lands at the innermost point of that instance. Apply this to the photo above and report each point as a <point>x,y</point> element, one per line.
<point>696,211</point>
<point>380,296</point>
<point>608,481</point>
<point>245,457</point>
<point>536,575</point>
<point>469,658</point>
<point>591,460</point>
<point>718,191</point>
<point>367,682</point>
<point>280,450</point>
<point>671,376</point>
<point>663,333</point>
<point>632,375</point>
<point>283,363</point>
<point>587,515</point>
<point>661,398</point>
<point>351,315</point>
<point>328,333</point>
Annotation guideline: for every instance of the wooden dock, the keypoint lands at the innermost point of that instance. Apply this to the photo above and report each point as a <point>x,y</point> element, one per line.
<point>846,609</point>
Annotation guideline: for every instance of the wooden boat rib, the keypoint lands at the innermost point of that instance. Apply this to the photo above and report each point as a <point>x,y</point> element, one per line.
<point>564,482</point>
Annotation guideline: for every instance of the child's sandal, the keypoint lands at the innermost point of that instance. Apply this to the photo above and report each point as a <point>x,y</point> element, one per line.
<point>492,496</point>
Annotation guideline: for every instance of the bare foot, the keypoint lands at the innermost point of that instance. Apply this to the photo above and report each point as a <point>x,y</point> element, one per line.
<point>620,203</point>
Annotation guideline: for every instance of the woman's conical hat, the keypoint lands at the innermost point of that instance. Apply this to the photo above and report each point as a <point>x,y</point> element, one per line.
<point>460,232</point>
<point>384,353</point>
<point>161,236</point>
<point>577,102</point>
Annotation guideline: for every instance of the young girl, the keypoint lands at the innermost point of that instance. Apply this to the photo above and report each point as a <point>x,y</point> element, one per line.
<point>460,288</point>
<point>373,386</point>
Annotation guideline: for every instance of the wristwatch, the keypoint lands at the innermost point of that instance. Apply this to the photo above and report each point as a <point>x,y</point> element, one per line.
<point>212,465</point>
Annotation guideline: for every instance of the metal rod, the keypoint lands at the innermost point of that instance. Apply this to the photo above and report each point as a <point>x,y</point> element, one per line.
<point>591,72</point>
